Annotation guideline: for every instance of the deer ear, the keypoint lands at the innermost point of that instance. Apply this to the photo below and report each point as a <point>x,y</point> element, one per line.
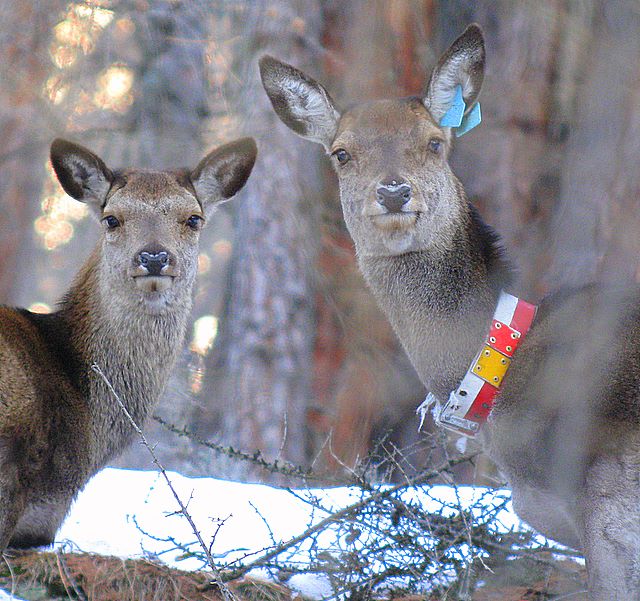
<point>82,174</point>
<point>461,65</point>
<point>223,171</point>
<point>301,103</point>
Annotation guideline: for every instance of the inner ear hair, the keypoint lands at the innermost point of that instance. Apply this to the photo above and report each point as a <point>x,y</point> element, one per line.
<point>302,103</point>
<point>83,175</point>
<point>224,171</point>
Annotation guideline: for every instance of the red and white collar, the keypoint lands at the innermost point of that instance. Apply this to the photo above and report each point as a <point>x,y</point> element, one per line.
<point>469,405</point>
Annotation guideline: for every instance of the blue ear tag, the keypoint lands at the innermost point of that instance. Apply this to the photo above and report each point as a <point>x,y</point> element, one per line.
<point>471,119</point>
<point>453,117</point>
<point>456,118</point>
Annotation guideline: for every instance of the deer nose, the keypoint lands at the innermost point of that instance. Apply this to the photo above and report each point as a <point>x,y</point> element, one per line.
<point>393,194</point>
<point>153,262</point>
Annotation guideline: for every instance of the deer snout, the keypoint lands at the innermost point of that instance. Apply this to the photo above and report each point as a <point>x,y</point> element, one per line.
<point>154,263</point>
<point>393,194</point>
<point>154,270</point>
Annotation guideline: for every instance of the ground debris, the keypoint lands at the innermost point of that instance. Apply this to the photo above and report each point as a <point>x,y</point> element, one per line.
<point>544,578</point>
<point>41,576</point>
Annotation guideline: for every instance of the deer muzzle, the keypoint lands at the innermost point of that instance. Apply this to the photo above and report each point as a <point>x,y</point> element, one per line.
<point>154,271</point>
<point>393,194</point>
<point>153,263</point>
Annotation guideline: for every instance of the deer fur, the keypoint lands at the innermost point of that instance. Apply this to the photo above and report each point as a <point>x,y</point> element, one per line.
<point>59,423</point>
<point>565,429</point>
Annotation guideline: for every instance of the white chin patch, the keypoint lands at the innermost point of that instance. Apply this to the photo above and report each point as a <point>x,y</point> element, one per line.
<point>154,302</point>
<point>153,284</point>
<point>399,242</point>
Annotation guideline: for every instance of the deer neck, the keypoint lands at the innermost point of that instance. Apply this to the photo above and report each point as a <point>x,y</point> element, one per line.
<point>440,300</point>
<point>135,350</point>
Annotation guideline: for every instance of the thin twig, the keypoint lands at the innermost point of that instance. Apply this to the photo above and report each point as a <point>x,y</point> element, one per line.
<point>276,467</point>
<point>226,593</point>
<point>65,576</point>
<point>11,573</point>
<point>283,442</point>
<point>568,595</point>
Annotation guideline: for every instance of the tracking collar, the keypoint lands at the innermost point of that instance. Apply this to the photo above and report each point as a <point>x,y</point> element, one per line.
<point>469,405</point>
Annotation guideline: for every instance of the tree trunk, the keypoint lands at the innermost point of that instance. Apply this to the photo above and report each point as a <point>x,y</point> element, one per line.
<point>163,47</point>
<point>164,129</point>
<point>364,387</point>
<point>510,165</point>
<point>261,368</point>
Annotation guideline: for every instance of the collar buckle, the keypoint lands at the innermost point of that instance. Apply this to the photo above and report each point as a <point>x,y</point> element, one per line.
<point>453,416</point>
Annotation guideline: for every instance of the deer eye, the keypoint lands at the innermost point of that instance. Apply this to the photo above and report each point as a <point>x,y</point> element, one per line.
<point>111,222</point>
<point>435,145</point>
<point>195,222</point>
<point>342,156</point>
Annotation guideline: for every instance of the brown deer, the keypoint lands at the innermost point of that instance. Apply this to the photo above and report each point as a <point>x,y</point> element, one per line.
<point>126,311</point>
<point>565,426</point>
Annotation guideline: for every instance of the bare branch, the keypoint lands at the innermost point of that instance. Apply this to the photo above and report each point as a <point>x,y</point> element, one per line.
<point>224,589</point>
<point>343,513</point>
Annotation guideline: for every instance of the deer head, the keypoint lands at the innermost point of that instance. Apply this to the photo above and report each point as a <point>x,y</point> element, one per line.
<point>397,190</point>
<point>151,220</point>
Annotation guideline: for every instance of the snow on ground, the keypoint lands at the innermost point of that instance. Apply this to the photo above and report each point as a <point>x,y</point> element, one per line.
<point>130,513</point>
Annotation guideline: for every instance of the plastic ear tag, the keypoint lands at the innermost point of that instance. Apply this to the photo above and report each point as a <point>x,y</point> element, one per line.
<point>453,117</point>
<point>470,120</point>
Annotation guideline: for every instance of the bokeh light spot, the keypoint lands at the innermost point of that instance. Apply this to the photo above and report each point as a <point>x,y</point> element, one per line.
<point>39,308</point>
<point>114,87</point>
<point>205,330</point>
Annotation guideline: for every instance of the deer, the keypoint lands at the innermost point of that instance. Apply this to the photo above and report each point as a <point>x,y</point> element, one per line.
<point>126,311</point>
<point>563,425</point>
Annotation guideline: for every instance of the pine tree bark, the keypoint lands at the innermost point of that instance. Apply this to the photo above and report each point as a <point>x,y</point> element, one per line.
<point>162,128</point>
<point>365,389</point>
<point>261,367</point>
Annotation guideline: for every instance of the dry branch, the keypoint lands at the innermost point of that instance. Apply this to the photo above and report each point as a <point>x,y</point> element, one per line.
<point>226,593</point>
<point>342,513</point>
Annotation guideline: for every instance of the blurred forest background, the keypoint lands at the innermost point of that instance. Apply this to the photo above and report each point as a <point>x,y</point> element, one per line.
<point>288,353</point>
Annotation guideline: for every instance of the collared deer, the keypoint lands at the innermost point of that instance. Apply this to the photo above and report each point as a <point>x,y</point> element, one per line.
<point>126,311</point>
<point>565,427</point>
